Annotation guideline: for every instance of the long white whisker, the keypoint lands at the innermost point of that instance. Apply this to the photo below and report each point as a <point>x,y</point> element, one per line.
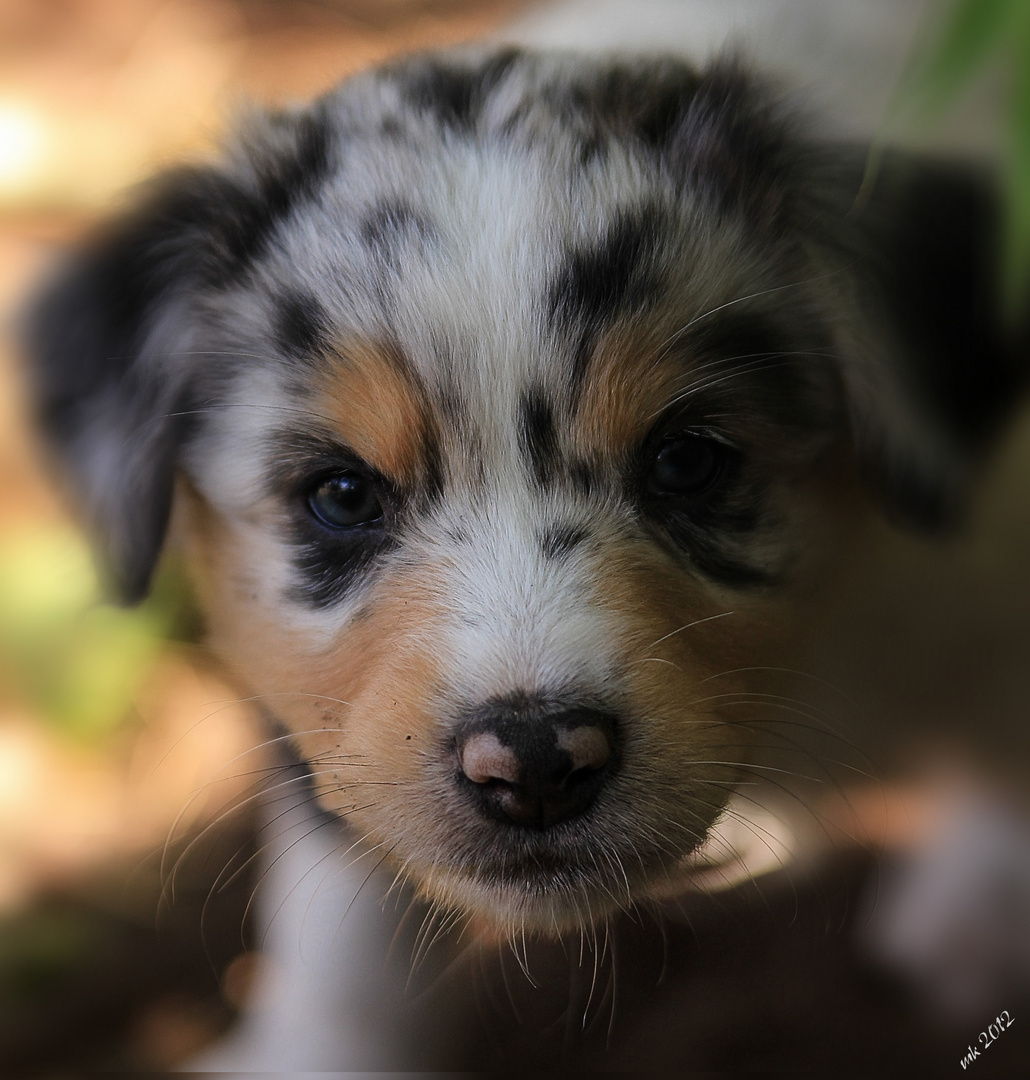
<point>687,626</point>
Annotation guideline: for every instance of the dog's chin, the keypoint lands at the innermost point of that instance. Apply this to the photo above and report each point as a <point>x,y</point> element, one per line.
<point>549,895</point>
<point>536,903</point>
<point>568,876</point>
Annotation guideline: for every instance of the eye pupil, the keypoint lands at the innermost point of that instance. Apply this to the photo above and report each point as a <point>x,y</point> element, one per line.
<point>345,501</point>
<point>686,466</point>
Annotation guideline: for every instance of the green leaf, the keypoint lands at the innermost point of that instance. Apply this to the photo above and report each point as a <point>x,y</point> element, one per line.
<point>975,29</point>
<point>1017,207</point>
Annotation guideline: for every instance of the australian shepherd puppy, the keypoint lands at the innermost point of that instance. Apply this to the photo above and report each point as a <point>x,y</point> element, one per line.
<point>509,406</point>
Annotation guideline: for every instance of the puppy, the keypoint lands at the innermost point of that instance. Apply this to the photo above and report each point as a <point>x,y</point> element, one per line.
<point>511,407</point>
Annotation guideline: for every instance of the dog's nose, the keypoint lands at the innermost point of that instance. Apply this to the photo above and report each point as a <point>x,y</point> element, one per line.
<point>533,766</point>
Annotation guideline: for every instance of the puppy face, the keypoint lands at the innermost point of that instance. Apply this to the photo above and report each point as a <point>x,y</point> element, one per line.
<point>504,394</point>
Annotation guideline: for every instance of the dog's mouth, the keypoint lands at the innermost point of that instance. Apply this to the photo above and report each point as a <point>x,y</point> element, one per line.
<point>542,813</point>
<point>554,880</point>
<point>590,866</point>
<point>502,857</point>
<point>535,812</point>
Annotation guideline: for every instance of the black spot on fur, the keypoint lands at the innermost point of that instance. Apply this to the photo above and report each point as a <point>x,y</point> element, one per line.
<point>285,178</point>
<point>729,144</point>
<point>433,484</point>
<point>560,540</point>
<point>592,152</point>
<point>643,102</point>
<point>301,325</point>
<point>389,224</point>
<point>600,281</point>
<point>447,92</point>
<point>627,102</point>
<point>460,430</point>
<point>454,94</point>
<point>583,477</point>
<point>331,567</point>
<point>725,568</point>
<point>764,366</point>
<point>538,436</point>
<point>459,535</point>
<point>714,539</point>
<point>737,333</point>
<point>661,109</point>
<point>390,127</point>
<point>454,406</point>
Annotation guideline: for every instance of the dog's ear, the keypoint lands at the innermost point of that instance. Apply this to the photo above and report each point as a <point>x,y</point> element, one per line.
<point>116,372</point>
<point>929,367</point>
<point>931,370</point>
<point>937,370</point>
<point>107,343</point>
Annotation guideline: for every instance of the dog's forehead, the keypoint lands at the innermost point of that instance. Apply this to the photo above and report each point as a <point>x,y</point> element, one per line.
<point>518,272</point>
<point>470,258</point>
<point>495,271</point>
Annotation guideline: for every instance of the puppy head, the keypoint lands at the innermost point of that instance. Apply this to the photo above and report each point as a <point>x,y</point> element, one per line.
<point>505,395</point>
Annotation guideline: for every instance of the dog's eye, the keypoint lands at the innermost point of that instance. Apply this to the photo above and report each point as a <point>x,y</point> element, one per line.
<point>687,467</point>
<point>346,501</point>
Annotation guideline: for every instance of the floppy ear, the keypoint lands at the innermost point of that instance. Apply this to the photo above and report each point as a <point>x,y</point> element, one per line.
<point>108,370</point>
<point>932,394</point>
<point>116,370</point>
<point>929,370</point>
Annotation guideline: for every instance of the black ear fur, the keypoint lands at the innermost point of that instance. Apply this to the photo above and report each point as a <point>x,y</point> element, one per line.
<point>110,394</point>
<point>927,233</point>
<point>930,370</point>
<point>113,368</point>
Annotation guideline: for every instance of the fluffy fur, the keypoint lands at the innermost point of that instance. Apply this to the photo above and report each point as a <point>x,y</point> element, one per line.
<point>602,346</point>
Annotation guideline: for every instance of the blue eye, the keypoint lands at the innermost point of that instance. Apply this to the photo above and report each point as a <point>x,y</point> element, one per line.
<point>346,501</point>
<point>687,467</point>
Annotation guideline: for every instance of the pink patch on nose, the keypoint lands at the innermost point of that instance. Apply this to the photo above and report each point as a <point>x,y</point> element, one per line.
<point>588,747</point>
<point>484,758</point>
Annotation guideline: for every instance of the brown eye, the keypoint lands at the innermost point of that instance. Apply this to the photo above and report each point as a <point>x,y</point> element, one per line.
<point>346,501</point>
<point>687,467</point>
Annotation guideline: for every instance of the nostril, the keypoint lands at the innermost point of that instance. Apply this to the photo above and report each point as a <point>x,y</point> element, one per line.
<point>484,758</point>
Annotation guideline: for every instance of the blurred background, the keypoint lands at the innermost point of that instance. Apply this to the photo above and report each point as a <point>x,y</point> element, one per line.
<point>124,867</point>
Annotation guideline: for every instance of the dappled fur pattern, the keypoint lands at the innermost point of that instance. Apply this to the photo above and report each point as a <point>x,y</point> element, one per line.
<point>600,347</point>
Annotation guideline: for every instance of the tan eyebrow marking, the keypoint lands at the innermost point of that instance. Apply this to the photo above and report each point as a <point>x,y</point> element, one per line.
<point>379,409</point>
<point>625,386</point>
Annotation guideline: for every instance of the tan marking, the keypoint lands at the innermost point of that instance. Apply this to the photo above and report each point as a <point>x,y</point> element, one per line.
<point>628,382</point>
<point>353,702</point>
<point>369,707</point>
<point>378,409</point>
<point>687,655</point>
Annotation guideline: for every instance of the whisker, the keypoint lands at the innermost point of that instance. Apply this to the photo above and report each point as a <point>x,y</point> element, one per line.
<point>365,880</point>
<point>756,295</point>
<point>327,821</point>
<point>687,626</point>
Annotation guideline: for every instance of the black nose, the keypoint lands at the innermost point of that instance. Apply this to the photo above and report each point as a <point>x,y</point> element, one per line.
<point>534,765</point>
